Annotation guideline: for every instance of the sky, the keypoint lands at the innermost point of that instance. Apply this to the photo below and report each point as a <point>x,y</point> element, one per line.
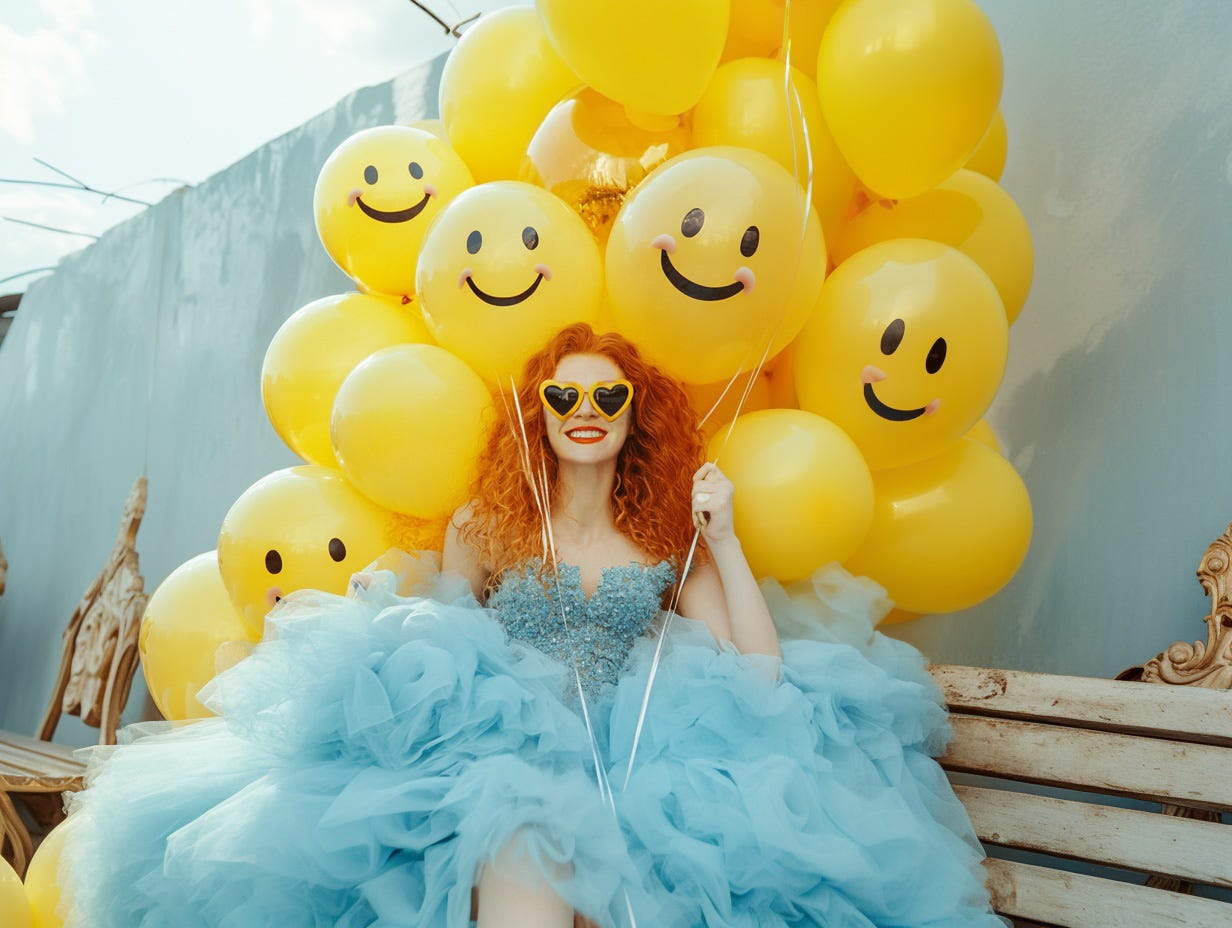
<point>123,94</point>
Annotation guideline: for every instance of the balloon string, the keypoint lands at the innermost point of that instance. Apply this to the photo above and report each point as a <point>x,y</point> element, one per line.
<point>793,96</point>
<point>541,493</point>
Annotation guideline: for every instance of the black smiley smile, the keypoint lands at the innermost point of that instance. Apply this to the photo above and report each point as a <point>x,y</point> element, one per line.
<point>890,412</point>
<point>401,215</point>
<point>691,288</point>
<point>504,300</point>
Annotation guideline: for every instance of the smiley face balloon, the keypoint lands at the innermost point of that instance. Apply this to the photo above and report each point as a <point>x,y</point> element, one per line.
<point>715,261</point>
<point>299,528</point>
<point>504,268</point>
<point>905,351</point>
<point>374,199</point>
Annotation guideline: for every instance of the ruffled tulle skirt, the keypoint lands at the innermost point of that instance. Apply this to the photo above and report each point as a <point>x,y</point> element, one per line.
<point>374,753</point>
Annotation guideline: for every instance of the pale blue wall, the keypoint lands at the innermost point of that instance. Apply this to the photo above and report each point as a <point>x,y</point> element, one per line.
<point>1114,404</point>
<point>142,353</point>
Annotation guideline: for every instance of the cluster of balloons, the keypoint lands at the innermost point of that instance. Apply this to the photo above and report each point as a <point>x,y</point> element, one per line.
<point>33,904</point>
<point>790,205</point>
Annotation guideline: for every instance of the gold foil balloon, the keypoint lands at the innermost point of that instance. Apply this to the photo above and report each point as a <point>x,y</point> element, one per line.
<point>749,103</point>
<point>989,158</point>
<point>804,496</point>
<point>408,425</point>
<point>908,88</point>
<point>374,198</point>
<point>299,528</point>
<point>590,155</point>
<point>14,904</point>
<point>505,268</point>
<point>498,84</point>
<point>314,350</point>
<point>905,351</point>
<point>650,56</point>
<point>948,532</point>
<point>188,619</point>
<point>714,263</point>
<point>967,211</point>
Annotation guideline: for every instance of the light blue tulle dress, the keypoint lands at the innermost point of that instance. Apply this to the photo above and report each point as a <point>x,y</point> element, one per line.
<point>376,750</point>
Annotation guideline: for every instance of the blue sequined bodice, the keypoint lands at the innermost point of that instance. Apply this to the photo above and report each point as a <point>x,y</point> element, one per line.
<point>548,616</point>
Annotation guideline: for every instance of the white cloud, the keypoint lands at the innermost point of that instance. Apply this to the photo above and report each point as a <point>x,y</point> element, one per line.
<point>43,70</point>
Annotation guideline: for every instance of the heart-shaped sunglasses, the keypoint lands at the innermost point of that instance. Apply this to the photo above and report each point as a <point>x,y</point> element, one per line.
<point>610,398</point>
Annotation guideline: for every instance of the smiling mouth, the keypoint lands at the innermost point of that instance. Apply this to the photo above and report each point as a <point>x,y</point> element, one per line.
<point>586,435</point>
<point>401,215</point>
<point>890,412</point>
<point>503,300</point>
<point>692,288</point>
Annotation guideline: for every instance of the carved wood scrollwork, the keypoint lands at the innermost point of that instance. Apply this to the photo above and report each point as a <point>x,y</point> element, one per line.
<point>1206,664</point>
<point>100,643</point>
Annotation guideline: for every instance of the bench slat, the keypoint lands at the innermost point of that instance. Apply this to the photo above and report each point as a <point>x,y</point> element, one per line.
<point>1183,713</point>
<point>1124,765</point>
<point>1152,842</point>
<point>37,766</point>
<point>1075,900</point>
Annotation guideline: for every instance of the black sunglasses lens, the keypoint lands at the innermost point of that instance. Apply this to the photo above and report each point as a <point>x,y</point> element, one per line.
<point>610,400</point>
<point>561,399</point>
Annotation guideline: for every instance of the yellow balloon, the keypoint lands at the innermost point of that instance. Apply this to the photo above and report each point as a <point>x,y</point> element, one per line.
<point>188,619</point>
<point>651,56</point>
<point>804,496</point>
<point>505,268</point>
<point>968,212</point>
<point>983,433</point>
<point>431,126</point>
<point>374,199</point>
<point>715,262</point>
<point>807,24</point>
<point>299,528</point>
<point>313,351</point>
<point>14,904</point>
<point>905,351</point>
<point>590,155</point>
<point>747,104</point>
<point>408,426</point>
<point>908,88</point>
<point>989,158</point>
<point>42,881</point>
<point>948,532</point>
<point>754,29</point>
<point>498,84</point>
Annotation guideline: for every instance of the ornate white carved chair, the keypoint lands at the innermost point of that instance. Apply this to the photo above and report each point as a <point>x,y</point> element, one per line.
<point>96,674</point>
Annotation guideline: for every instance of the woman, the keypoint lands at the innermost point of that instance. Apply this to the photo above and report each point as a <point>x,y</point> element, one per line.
<point>382,755</point>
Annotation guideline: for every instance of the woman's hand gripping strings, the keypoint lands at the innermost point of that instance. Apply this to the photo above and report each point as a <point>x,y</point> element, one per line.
<point>724,592</point>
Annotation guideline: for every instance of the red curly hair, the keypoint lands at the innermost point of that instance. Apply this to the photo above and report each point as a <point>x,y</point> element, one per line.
<point>651,502</point>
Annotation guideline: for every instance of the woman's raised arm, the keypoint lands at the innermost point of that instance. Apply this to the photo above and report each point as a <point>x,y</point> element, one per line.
<point>459,557</point>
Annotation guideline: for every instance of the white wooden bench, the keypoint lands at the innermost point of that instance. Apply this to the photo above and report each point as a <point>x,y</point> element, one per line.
<point>1100,742</point>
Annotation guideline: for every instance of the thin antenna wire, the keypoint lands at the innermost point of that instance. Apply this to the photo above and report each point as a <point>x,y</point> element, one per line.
<point>455,31</point>
<point>33,270</point>
<point>50,183</point>
<point>39,225</point>
<point>82,185</point>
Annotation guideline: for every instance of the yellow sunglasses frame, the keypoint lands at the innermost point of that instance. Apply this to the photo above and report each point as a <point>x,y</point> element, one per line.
<point>584,393</point>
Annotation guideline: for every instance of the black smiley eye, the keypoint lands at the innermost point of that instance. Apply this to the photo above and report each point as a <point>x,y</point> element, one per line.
<point>749,241</point>
<point>474,242</point>
<point>416,170</point>
<point>692,222</point>
<point>936,356</point>
<point>370,174</point>
<point>337,550</point>
<point>892,337</point>
<point>273,561</point>
<point>530,238</point>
